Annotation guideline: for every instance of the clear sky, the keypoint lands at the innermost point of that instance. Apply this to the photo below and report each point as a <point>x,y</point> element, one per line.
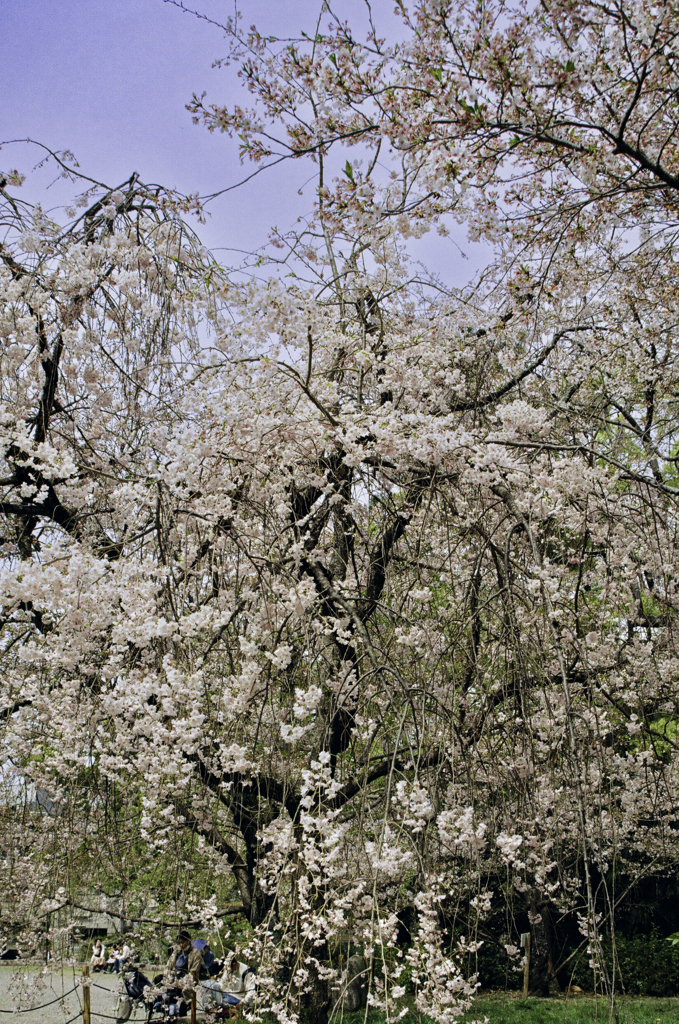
<point>110,79</point>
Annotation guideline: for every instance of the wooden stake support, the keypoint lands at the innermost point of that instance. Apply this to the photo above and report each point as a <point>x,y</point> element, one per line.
<point>87,1019</point>
<point>193,1007</point>
<point>525,944</point>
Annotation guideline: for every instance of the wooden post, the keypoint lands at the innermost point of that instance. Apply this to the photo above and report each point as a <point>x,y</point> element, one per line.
<point>525,944</point>
<point>193,1007</point>
<point>86,995</point>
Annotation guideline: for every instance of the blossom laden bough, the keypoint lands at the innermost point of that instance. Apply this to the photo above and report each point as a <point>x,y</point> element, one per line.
<point>351,595</point>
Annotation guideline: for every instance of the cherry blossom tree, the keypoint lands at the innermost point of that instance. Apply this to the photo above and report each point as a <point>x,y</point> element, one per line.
<point>549,130</point>
<point>351,589</point>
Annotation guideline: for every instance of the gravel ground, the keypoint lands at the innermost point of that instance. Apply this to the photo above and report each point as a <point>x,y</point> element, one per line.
<point>103,1000</point>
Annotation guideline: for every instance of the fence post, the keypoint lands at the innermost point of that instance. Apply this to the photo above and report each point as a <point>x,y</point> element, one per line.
<point>193,1007</point>
<point>525,944</point>
<point>86,994</point>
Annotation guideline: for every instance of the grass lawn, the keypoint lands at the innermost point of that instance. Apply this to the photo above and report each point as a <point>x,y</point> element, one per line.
<point>506,1008</point>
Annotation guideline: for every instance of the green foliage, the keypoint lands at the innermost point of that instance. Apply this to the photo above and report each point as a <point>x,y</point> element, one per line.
<point>649,965</point>
<point>495,969</point>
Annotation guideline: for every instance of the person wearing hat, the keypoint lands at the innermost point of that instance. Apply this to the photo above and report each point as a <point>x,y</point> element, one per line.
<point>185,959</point>
<point>181,975</point>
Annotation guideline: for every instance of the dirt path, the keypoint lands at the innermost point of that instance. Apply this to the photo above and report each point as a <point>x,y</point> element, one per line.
<point>35,989</point>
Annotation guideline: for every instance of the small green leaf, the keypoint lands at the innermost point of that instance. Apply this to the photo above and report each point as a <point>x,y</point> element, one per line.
<point>332,58</point>
<point>570,66</point>
<point>349,171</point>
<point>438,74</point>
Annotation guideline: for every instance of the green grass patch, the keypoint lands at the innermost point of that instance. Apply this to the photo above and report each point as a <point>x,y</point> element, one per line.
<point>508,1008</point>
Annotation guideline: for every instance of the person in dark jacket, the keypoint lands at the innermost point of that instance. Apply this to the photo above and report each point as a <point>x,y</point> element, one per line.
<point>185,959</point>
<point>181,975</point>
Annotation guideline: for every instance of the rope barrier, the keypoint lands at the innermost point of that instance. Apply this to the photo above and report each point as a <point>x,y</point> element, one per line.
<point>94,1013</point>
<point>32,1009</point>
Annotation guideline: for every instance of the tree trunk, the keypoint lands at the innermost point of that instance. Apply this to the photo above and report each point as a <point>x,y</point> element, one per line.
<point>540,947</point>
<point>315,1004</point>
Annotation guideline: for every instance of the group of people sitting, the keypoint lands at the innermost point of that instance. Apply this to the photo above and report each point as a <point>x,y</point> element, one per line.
<point>224,985</point>
<point>116,961</point>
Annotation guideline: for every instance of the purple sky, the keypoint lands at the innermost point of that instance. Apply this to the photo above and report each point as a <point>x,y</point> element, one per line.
<point>109,80</point>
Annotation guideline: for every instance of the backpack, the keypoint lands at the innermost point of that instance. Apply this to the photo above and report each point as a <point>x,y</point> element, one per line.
<point>136,984</point>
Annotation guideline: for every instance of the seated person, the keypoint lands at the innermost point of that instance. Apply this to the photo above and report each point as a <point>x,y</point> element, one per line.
<point>210,966</point>
<point>124,955</point>
<point>185,959</point>
<point>234,987</point>
<point>113,956</point>
<point>98,960</point>
<point>181,975</point>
